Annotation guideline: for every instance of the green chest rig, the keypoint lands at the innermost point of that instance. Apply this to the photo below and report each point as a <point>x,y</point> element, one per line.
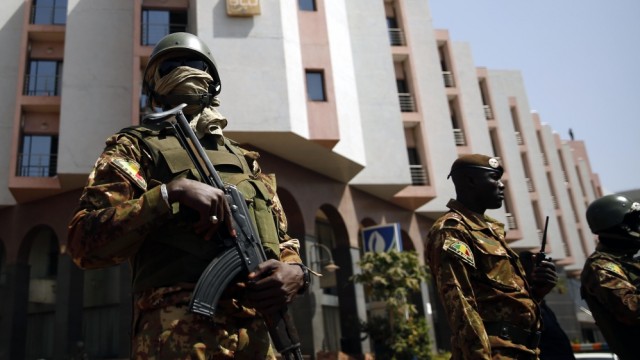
<point>173,253</point>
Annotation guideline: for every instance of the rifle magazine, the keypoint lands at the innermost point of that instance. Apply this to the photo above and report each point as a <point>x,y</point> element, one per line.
<point>215,278</point>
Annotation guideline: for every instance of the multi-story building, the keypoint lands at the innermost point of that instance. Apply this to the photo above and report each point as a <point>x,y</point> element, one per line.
<point>358,106</point>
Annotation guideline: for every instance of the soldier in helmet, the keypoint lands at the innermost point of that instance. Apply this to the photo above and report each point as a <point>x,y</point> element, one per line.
<point>491,307</point>
<point>145,205</point>
<point>611,275</point>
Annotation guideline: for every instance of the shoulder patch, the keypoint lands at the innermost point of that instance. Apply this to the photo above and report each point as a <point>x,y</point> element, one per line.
<point>615,268</point>
<point>460,250</point>
<point>131,170</point>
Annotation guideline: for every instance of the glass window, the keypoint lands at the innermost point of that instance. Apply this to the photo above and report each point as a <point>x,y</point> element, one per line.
<point>315,86</point>
<point>38,156</point>
<point>47,12</point>
<point>43,78</point>
<point>307,5</point>
<point>156,24</point>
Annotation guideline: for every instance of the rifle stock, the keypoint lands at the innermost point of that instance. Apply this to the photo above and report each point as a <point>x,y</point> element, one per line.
<point>243,254</point>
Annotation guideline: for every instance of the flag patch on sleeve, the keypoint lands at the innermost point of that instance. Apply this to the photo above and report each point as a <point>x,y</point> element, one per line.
<point>131,170</point>
<point>614,268</point>
<point>459,249</point>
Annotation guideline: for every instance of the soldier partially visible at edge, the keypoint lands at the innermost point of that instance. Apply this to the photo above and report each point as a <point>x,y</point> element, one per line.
<point>143,204</point>
<point>490,306</point>
<point>610,279</point>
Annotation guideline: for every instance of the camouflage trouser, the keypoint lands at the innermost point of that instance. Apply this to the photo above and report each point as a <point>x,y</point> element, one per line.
<point>174,333</point>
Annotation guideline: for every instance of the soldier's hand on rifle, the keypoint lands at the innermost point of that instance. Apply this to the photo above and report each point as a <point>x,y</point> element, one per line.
<point>543,278</point>
<point>274,284</point>
<point>209,202</point>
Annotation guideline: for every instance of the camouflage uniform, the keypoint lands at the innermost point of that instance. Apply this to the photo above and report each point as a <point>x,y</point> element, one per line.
<point>482,286</point>
<point>122,217</point>
<point>610,281</point>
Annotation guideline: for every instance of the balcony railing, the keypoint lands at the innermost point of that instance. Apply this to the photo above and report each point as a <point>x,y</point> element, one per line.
<point>48,15</point>
<point>488,113</point>
<point>448,79</point>
<point>554,200</point>
<point>41,85</point>
<point>545,161</point>
<point>153,32</point>
<point>406,102</point>
<point>396,37</point>
<point>511,221</point>
<point>458,136</point>
<point>37,165</point>
<point>418,175</point>
<point>530,185</point>
<point>519,138</point>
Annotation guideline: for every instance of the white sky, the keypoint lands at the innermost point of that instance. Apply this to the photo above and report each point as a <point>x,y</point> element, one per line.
<point>580,60</point>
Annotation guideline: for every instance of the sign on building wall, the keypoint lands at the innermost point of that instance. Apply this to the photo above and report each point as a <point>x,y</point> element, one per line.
<point>382,238</point>
<point>243,7</point>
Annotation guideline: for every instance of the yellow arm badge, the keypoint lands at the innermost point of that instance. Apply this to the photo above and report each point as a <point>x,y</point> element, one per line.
<point>460,250</point>
<point>614,268</point>
<point>131,170</point>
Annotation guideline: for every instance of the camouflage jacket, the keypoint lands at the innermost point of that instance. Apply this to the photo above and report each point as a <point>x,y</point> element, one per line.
<point>480,282</point>
<point>611,287</point>
<point>122,204</point>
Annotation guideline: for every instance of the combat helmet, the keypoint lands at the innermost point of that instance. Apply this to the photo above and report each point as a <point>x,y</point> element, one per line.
<point>182,43</point>
<point>610,212</point>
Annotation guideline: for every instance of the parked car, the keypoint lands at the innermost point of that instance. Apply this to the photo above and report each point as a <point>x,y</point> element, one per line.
<point>596,356</point>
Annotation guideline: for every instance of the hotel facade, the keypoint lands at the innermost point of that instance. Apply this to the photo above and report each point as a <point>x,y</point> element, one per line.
<point>358,106</point>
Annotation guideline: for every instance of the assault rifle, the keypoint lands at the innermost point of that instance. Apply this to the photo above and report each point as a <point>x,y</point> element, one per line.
<point>242,254</point>
<point>541,255</point>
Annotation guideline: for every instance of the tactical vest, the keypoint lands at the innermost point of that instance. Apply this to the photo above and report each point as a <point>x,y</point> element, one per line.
<point>173,253</point>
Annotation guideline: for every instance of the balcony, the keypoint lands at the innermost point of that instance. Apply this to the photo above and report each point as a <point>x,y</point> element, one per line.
<point>458,136</point>
<point>488,113</point>
<point>448,79</point>
<point>418,175</point>
<point>519,139</point>
<point>37,165</point>
<point>396,37</point>
<point>511,221</point>
<point>545,161</point>
<point>48,15</point>
<point>42,85</point>
<point>530,185</point>
<point>407,103</point>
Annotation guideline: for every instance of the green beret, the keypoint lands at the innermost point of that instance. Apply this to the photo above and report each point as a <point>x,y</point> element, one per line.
<point>477,161</point>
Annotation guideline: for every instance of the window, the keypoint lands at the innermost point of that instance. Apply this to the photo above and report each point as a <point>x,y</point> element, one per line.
<point>38,156</point>
<point>156,24</point>
<point>315,85</point>
<point>43,78</point>
<point>307,5</point>
<point>48,12</point>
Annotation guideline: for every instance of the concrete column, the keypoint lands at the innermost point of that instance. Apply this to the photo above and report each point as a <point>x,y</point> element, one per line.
<point>13,321</point>
<point>68,315</point>
<point>360,301</point>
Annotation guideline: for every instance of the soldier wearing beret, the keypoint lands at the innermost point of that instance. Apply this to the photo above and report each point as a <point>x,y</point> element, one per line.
<point>144,204</point>
<point>490,305</point>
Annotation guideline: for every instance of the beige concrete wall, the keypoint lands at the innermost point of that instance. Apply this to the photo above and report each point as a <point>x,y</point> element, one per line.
<point>96,85</point>
<point>11,35</point>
